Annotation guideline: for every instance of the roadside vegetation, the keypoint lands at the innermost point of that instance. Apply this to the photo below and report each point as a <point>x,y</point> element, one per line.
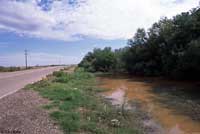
<point>9,69</point>
<point>170,48</point>
<point>12,69</point>
<point>75,104</point>
<point>15,68</point>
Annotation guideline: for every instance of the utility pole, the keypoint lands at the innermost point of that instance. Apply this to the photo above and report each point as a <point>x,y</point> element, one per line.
<point>26,53</point>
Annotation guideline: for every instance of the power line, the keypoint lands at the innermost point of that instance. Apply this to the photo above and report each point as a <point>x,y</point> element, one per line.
<point>26,54</point>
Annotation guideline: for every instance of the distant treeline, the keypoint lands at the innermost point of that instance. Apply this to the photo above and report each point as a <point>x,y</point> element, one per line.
<point>171,47</point>
<point>13,68</point>
<point>9,69</point>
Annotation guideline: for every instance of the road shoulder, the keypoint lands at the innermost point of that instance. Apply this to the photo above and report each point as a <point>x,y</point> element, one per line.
<point>21,113</point>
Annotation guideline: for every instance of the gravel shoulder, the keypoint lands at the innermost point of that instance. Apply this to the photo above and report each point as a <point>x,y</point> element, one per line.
<point>21,113</point>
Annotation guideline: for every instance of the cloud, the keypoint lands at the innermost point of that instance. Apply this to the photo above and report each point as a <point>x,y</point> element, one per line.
<point>70,20</point>
<point>35,58</point>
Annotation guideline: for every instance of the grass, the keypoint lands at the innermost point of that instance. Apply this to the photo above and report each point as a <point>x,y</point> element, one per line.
<point>76,106</point>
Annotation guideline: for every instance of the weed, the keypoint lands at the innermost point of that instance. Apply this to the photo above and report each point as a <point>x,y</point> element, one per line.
<point>77,107</point>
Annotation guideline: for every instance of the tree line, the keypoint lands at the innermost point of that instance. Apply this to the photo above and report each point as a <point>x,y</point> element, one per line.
<point>171,48</point>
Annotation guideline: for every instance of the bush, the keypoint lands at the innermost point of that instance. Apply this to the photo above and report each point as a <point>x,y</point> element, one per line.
<point>58,73</point>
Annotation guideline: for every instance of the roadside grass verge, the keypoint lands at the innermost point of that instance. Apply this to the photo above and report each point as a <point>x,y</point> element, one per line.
<point>76,106</point>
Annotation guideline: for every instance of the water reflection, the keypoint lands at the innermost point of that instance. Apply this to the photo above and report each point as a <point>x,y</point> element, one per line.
<point>140,89</point>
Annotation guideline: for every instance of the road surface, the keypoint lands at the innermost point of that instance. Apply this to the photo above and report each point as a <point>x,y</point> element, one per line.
<point>11,82</point>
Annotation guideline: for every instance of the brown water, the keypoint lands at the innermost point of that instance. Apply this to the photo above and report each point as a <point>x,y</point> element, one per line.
<point>141,90</point>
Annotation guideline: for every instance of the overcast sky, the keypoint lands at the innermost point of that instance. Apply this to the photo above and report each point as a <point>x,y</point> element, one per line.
<point>67,29</point>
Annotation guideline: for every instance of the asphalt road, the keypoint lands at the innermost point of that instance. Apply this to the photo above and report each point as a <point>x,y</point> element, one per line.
<point>11,82</point>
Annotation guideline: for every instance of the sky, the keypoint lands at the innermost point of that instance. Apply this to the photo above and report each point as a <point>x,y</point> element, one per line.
<point>63,31</point>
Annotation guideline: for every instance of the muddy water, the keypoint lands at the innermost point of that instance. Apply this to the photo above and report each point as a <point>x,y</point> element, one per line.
<point>140,89</point>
